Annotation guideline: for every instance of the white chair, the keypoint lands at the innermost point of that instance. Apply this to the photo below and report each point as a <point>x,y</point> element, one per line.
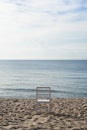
<point>43,95</point>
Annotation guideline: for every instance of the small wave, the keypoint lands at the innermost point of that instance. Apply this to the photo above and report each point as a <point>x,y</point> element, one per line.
<point>27,90</point>
<point>19,89</point>
<point>34,90</point>
<point>54,92</point>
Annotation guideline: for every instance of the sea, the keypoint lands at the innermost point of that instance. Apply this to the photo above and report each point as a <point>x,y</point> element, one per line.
<point>19,78</point>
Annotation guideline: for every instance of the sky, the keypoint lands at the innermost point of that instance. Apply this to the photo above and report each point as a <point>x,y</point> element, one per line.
<point>43,29</point>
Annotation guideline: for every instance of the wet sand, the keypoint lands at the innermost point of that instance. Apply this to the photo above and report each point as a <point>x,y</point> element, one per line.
<point>65,114</point>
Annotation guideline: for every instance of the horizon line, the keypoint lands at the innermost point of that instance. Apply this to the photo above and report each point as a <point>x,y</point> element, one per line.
<point>43,59</point>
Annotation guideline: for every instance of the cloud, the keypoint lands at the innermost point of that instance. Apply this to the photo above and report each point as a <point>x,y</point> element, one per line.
<point>43,29</point>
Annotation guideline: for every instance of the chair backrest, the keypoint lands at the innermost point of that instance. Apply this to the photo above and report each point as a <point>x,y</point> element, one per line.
<point>43,93</point>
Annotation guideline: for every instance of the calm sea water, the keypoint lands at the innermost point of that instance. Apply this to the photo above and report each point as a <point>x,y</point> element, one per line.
<point>19,78</point>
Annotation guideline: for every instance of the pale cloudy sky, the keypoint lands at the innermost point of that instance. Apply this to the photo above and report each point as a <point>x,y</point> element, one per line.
<point>43,29</point>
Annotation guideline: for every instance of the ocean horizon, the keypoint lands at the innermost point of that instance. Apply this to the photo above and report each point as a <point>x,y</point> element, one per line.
<point>19,78</point>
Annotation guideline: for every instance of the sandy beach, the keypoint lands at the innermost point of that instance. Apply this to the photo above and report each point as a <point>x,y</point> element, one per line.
<point>66,114</point>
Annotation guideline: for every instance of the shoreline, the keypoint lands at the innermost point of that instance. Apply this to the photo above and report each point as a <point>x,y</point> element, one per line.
<point>66,114</point>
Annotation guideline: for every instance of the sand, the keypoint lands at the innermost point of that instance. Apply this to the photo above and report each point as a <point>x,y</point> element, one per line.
<point>65,114</point>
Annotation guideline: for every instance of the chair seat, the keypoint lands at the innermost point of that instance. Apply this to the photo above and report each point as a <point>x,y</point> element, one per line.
<point>43,100</point>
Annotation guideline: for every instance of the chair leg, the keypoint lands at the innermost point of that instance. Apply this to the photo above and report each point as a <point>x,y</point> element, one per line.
<point>49,109</point>
<point>37,104</point>
<point>36,107</point>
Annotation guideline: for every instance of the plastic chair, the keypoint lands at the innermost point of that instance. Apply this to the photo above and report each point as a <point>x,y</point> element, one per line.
<point>43,95</point>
